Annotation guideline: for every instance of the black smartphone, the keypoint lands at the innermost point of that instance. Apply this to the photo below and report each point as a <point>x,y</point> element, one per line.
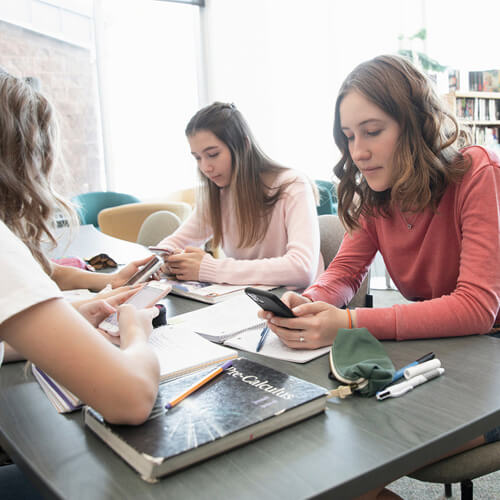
<point>146,271</point>
<point>269,302</point>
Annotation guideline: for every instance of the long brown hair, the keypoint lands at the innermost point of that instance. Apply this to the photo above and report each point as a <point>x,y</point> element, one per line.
<point>427,158</point>
<point>28,150</point>
<point>253,199</point>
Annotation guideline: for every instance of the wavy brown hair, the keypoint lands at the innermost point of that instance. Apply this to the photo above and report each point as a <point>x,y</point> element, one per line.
<point>28,149</point>
<point>427,158</point>
<point>253,199</point>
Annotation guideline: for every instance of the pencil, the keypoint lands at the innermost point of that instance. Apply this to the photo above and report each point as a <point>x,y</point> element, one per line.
<point>199,384</point>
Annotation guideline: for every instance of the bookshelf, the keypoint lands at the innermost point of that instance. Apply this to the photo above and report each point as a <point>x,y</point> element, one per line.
<point>479,113</point>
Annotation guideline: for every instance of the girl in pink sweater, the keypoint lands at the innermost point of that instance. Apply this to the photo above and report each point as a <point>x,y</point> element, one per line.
<point>262,214</point>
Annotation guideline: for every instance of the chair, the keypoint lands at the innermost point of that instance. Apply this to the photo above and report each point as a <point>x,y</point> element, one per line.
<point>186,195</point>
<point>88,205</point>
<point>327,197</point>
<point>125,221</point>
<point>156,226</point>
<point>462,468</point>
<point>331,233</point>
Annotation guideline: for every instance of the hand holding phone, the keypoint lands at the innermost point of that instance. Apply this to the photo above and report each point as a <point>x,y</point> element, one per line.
<point>147,296</point>
<point>269,302</point>
<point>146,271</point>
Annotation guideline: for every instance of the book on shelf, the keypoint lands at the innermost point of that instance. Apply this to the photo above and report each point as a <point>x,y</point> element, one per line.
<point>244,403</point>
<point>210,293</point>
<point>235,323</point>
<point>474,81</point>
<point>179,351</point>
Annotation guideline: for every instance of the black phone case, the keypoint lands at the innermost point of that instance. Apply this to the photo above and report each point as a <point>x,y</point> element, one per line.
<point>269,302</point>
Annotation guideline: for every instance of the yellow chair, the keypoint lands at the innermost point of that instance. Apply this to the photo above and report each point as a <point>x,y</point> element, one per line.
<point>185,195</point>
<point>125,221</point>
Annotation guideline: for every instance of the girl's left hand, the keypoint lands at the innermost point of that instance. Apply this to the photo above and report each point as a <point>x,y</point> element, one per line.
<point>186,265</point>
<point>316,325</point>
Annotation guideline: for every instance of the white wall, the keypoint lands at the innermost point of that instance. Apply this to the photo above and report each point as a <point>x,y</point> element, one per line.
<point>282,62</point>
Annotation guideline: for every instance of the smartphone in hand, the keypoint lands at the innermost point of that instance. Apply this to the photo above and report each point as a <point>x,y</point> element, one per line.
<point>147,296</point>
<point>269,302</point>
<point>146,271</point>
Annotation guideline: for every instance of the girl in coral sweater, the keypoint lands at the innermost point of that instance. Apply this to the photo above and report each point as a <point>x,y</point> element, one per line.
<point>432,211</point>
<point>262,214</point>
<point>405,190</point>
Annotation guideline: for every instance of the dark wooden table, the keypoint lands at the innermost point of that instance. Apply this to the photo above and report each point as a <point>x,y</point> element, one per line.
<point>356,445</point>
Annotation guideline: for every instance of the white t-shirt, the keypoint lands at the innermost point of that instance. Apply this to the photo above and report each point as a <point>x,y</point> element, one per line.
<point>23,282</point>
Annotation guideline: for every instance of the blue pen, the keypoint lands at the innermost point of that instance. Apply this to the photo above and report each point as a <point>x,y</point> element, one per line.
<point>400,373</point>
<point>263,335</point>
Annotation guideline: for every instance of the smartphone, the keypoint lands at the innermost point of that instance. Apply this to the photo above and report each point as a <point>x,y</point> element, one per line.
<point>147,296</point>
<point>269,302</point>
<point>146,271</point>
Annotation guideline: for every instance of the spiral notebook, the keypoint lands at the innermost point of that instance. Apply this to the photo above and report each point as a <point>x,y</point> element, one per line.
<point>235,324</point>
<point>222,321</point>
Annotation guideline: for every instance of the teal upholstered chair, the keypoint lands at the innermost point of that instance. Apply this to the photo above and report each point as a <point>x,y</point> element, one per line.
<point>327,197</point>
<point>90,204</point>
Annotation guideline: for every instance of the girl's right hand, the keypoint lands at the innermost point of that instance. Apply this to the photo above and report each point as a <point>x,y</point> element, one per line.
<point>135,323</point>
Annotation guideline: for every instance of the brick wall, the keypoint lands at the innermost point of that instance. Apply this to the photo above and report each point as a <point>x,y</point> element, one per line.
<point>67,76</point>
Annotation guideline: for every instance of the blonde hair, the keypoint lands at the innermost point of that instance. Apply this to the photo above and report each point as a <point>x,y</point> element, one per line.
<point>29,145</point>
<point>427,158</point>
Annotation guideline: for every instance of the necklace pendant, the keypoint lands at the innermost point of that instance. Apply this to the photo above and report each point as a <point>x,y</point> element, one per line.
<point>410,226</point>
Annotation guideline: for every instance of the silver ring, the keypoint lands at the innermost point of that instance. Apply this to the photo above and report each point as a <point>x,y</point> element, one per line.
<point>301,339</point>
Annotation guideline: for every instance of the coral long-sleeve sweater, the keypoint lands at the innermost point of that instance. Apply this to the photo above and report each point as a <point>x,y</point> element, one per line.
<point>288,255</point>
<point>449,262</point>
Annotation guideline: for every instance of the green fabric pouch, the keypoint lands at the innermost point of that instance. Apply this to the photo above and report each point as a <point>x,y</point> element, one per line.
<point>358,360</point>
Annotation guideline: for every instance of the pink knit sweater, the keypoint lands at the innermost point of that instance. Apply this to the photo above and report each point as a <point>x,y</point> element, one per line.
<point>449,262</point>
<point>288,255</point>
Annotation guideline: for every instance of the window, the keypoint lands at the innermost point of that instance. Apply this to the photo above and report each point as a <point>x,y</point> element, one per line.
<point>147,65</point>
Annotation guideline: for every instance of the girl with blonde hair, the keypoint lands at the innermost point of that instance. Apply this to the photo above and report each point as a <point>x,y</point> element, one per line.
<point>35,320</point>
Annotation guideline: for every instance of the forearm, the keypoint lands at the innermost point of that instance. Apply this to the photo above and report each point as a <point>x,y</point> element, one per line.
<point>448,316</point>
<point>293,269</point>
<point>70,278</point>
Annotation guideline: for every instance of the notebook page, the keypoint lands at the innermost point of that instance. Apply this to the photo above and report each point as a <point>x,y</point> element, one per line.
<point>180,351</point>
<point>273,347</point>
<point>222,321</point>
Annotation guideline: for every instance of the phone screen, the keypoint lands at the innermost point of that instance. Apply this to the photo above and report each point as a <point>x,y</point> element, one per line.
<point>145,297</point>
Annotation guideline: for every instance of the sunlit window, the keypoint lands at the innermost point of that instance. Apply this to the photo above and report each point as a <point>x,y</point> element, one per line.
<point>147,66</point>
